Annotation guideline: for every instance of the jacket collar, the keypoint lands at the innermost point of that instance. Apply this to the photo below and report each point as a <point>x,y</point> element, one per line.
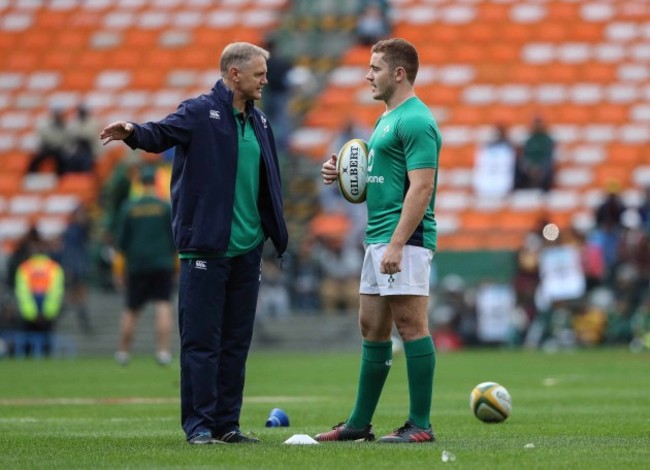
<point>225,95</point>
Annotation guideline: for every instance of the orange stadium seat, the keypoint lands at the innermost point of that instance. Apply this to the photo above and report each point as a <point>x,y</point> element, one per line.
<point>514,33</point>
<point>439,95</point>
<point>607,175</point>
<point>9,184</point>
<point>517,221</point>
<point>36,41</point>
<point>59,59</point>
<point>14,163</point>
<point>588,32</point>
<point>79,80</point>
<point>598,72</point>
<point>481,33</point>
<point>357,55</point>
<point>493,12</point>
<point>9,41</point>
<point>611,113</point>
<point>124,58</point>
<point>74,39</point>
<point>525,73</point>
<point>51,20</point>
<point>624,155</point>
<point>23,60</point>
<point>551,32</point>
<point>561,11</point>
<point>502,52</point>
<point>92,59</point>
<point>143,39</point>
<point>479,221</point>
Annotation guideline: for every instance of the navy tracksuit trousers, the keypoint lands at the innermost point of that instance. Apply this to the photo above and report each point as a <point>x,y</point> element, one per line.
<point>216,312</point>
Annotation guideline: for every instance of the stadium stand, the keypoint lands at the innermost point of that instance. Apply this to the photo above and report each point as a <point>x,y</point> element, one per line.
<point>127,59</point>
<point>581,65</point>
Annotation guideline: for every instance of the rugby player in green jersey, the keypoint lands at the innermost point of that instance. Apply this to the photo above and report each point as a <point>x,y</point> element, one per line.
<point>399,244</point>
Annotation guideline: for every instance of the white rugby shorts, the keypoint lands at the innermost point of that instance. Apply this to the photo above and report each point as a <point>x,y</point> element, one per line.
<point>412,280</point>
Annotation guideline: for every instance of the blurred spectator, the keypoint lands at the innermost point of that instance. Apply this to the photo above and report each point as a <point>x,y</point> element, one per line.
<point>561,291</point>
<point>39,289</point>
<point>340,265</point>
<point>84,144</point>
<point>305,278</point>
<point>537,157</point>
<point>626,286</point>
<point>75,258</point>
<point>607,232</point>
<point>277,95</point>
<point>117,191</point>
<point>53,142</point>
<point>553,329</point>
<point>640,324</point>
<point>444,335</point>
<point>453,307</point>
<point>561,272</point>
<point>144,238</point>
<point>24,249</point>
<point>619,328</point>
<point>593,261</point>
<point>526,279</point>
<point>495,313</point>
<point>644,211</point>
<point>494,166</point>
<point>273,299</point>
<point>372,23</point>
<point>610,211</point>
<point>634,251</point>
<point>589,324</point>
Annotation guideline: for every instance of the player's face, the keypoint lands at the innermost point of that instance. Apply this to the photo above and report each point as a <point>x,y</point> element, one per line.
<point>251,78</point>
<point>380,78</point>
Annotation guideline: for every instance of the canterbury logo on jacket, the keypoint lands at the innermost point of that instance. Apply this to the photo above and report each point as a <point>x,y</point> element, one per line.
<point>204,133</point>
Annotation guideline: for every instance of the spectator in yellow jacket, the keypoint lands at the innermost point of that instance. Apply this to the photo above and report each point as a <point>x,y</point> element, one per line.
<point>39,290</point>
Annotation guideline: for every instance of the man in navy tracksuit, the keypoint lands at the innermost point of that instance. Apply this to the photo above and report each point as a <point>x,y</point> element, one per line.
<point>226,200</point>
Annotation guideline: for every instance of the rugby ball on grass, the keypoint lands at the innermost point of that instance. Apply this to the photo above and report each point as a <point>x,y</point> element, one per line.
<point>490,402</point>
<point>352,169</point>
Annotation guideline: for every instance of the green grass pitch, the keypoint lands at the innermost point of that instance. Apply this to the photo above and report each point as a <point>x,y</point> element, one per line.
<point>573,410</point>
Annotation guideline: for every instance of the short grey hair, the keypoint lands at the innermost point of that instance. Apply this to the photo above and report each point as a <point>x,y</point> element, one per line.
<point>237,54</point>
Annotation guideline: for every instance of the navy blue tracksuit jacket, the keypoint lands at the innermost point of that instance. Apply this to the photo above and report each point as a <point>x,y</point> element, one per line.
<point>204,133</point>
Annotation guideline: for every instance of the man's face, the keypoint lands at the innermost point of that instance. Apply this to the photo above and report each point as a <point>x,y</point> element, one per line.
<point>251,78</point>
<point>380,78</point>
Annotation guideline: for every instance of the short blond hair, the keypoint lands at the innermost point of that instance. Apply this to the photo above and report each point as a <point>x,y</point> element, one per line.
<point>237,54</point>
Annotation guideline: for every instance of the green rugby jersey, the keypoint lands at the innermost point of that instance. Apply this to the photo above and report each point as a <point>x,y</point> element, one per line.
<point>406,138</point>
<point>246,228</point>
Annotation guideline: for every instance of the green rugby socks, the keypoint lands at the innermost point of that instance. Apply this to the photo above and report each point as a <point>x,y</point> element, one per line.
<point>420,366</point>
<point>376,359</point>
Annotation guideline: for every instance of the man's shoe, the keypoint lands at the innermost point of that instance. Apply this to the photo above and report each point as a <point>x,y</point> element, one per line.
<point>236,437</point>
<point>409,433</point>
<point>341,432</point>
<point>201,438</point>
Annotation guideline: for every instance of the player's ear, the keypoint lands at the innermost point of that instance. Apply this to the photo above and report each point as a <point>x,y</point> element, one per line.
<point>400,74</point>
<point>233,73</point>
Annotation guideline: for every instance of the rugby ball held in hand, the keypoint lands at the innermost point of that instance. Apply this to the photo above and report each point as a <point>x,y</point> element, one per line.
<point>352,169</point>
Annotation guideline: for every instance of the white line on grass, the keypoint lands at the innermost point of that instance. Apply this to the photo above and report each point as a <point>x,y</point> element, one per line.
<point>141,401</point>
